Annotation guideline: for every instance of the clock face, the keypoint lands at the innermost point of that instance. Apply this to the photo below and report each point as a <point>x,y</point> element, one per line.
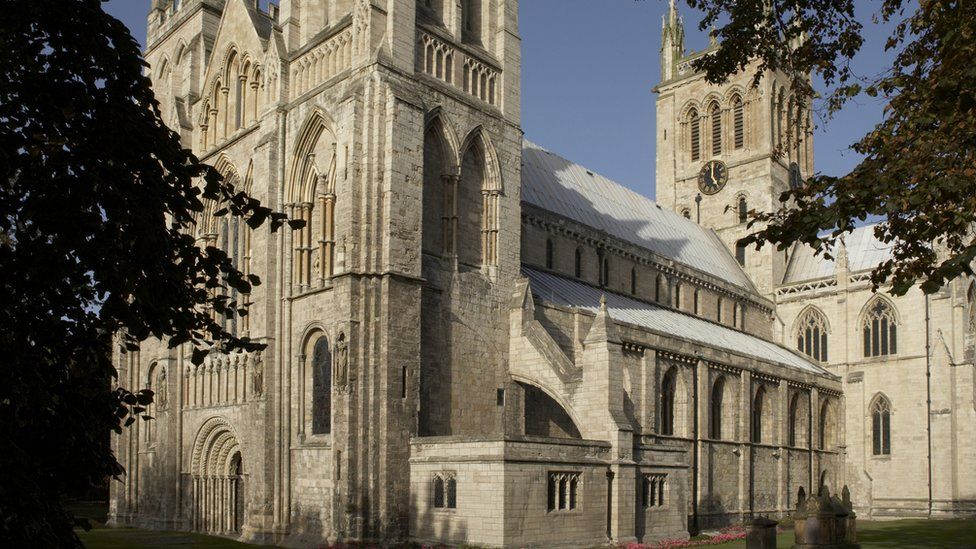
<point>795,180</point>
<point>712,177</point>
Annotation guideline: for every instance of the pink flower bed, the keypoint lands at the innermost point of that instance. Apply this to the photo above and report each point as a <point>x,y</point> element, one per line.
<point>729,533</point>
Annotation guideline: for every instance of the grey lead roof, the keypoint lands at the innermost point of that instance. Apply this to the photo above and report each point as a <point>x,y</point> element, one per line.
<point>555,184</point>
<point>562,291</point>
<point>864,251</point>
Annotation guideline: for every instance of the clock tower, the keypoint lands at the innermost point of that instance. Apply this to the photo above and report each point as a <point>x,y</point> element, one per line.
<point>726,150</point>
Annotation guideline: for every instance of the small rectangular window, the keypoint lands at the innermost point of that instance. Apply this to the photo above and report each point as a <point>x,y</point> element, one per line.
<point>653,490</point>
<point>563,491</point>
<point>445,490</point>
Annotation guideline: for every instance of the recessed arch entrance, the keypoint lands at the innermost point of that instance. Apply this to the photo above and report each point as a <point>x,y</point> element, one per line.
<point>219,480</point>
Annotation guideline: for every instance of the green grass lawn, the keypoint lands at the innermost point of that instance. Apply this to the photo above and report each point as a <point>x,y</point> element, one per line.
<point>102,537</point>
<point>935,534</point>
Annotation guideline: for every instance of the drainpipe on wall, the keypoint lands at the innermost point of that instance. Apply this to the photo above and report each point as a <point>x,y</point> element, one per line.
<point>928,395</point>
<point>694,451</point>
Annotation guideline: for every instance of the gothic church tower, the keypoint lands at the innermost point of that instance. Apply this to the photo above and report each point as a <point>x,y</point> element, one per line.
<point>717,149</point>
<point>391,127</point>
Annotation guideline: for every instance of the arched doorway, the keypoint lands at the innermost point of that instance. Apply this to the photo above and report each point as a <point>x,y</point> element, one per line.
<point>219,483</point>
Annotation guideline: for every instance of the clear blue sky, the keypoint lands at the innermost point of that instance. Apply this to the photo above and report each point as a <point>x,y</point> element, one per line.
<point>588,67</point>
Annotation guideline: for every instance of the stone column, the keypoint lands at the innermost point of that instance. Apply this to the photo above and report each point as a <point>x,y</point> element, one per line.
<point>782,420</point>
<point>745,436</point>
<point>450,216</point>
<point>224,107</point>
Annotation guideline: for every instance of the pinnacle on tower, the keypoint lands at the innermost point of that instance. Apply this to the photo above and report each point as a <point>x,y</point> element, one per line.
<point>672,42</point>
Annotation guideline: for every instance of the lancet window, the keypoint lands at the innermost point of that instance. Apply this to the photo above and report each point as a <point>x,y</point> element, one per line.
<point>715,115</point>
<point>881,426</point>
<point>312,199</point>
<point>694,128</point>
<point>234,99</point>
<point>738,122</point>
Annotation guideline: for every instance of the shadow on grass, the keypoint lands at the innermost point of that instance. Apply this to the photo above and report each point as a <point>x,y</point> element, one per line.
<point>938,534</point>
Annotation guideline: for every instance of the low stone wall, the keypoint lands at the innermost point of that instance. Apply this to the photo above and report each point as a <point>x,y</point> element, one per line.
<point>503,491</point>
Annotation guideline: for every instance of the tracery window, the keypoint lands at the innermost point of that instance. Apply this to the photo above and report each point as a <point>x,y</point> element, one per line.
<point>715,409</point>
<point>563,491</point>
<point>881,426</point>
<point>738,122</point>
<point>652,490</point>
<point>880,329</point>
<point>811,334</point>
<point>445,491</point>
<point>715,113</point>
<point>695,130</point>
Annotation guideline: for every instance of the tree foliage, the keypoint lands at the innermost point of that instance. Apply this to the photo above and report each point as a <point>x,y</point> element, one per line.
<point>97,212</point>
<point>918,173</point>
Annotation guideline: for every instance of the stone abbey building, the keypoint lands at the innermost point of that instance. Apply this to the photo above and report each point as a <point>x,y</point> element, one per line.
<point>475,340</point>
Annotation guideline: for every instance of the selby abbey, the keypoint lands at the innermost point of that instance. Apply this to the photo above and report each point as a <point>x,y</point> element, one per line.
<point>476,341</point>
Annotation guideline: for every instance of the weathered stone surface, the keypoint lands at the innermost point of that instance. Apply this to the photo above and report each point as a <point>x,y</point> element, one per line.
<point>413,387</point>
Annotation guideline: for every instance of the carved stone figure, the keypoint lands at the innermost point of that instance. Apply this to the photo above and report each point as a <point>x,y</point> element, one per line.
<point>162,389</point>
<point>257,375</point>
<point>342,362</point>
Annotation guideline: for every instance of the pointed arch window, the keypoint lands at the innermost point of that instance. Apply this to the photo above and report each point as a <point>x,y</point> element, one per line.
<point>740,252</point>
<point>880,329</point>
<point>694,125</point>
<point>660,289</point>
<point>677,296</point>
<point>718,310</point>
<point>825,435</point>
<point>579,263</point>
<point>668,389</point>
<point>633,280</point>
<point>738,122</point>
<point>550,252</point>
<point>438,492</point>
<point>715,114</point>
<point>757,415</point>
<point>697,304</point>
<point>736,315</point>
<point>321,387</point>
<point>811,334</point>
<point>605,272</point>
<point>881,426</point>
<point>715,409</point>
